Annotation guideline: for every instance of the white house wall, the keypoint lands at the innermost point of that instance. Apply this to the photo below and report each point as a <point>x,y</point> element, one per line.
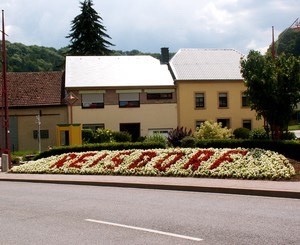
<point>150,116</point>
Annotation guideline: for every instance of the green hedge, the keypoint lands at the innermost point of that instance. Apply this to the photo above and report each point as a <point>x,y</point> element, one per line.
<point>99,147</point>
<point>288,148</point>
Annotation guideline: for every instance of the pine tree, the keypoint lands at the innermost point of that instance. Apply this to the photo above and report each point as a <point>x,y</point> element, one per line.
<point>88,35</point>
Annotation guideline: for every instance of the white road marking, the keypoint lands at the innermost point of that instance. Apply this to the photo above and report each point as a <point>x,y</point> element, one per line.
<point>147,230</point>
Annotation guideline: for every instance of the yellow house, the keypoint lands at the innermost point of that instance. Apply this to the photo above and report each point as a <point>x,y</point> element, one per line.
<point>121,93</point>
<point>210,87</point>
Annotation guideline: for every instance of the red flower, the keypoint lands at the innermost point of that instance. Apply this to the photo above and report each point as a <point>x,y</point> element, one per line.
<point>143,159</point>
<point>226,157</point>
<point>162,167</point>
<point>62,161</point>
<point>198,158</point>
<point>117,160</point>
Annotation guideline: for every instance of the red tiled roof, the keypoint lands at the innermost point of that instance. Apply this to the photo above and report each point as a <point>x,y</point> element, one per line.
<point>34,88</point>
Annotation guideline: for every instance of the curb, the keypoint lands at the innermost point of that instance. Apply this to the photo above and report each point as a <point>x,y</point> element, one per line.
<point>173,187</point>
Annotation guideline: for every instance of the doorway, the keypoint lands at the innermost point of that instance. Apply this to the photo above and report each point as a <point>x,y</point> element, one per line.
<point>133,128</point>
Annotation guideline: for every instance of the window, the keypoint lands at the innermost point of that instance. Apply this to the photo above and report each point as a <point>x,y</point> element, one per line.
<point>129,100</point>
<point>92,100</point>
<point>44,134</point>
<point>223,100</point>
<point>245,100</point>
<point>159,96</point>
<point>199,100</point>
<point>247,124</point>
<point>224,121</point>
<point>93,127</point>
<point>198,123</point>
<point>162,131</point>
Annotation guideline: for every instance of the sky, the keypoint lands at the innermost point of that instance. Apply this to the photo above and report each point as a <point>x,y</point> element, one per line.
<point>148,25</point>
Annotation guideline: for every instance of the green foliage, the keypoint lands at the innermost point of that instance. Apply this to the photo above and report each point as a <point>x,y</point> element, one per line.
<point>103,135</point>
<point>288,42</point>
<point>22,58</point>
<point>87,135</point>
<point>258,134</point>
<point>156,138</point>
<point>188,141</point>
<point>98,147</point>
<point>121,136</point>
<point>177,134</point>
<point>212,130</point>
<point>289,136</point>
<point>88,35</point>
<point>137,52</point>
<point>288,148</point>
<point>273,87</point>
<point>241,133</point>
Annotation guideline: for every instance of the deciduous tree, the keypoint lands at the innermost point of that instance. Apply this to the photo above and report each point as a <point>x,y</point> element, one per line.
<point>273,87</point>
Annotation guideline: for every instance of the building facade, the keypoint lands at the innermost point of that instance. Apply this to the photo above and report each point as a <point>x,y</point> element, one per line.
<point>122,93</point>
<point>210,87</point>
<point>36,106</point>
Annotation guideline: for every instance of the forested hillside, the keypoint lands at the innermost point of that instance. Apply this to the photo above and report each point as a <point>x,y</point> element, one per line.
<point>288,42</point>
<point>22,58</point>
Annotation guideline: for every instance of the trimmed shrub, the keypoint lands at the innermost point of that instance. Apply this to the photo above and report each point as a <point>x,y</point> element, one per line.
<point>241,133</point>
<point>87,135</point>
<point>289,136</point>
<point>177,134</point>
<point>212,130</point>
<point>258,134</point>
<point>188,141</point>
<point>156,138</point>
<point>121,136</point>
<point>288,148</point>
<point>98,147</point>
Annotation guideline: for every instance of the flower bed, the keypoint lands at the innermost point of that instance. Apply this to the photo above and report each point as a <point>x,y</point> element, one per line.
<point>193,162</point>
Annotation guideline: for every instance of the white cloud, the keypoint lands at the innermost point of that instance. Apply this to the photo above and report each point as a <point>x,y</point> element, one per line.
<point>148,25</point>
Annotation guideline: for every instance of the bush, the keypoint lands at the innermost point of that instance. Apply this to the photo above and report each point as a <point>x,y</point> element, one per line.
<point>87,135</point>
<point>156,138</point>
<point>288,148</point>
<point>121,136</point>
<point>212,130</point>
<point>98,147</point>
<point>177,134</point>
<point>103,136</point>
<point>289,136</point>
<point>241,133</point>
<point>188,141</point>
<point>258,134</point>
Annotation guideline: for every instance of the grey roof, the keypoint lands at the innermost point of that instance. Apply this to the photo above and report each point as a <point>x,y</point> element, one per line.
<point>116,71</point>
<point>206,64</point>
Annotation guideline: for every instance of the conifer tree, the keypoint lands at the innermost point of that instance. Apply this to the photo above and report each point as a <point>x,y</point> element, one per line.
<point>88,35</point>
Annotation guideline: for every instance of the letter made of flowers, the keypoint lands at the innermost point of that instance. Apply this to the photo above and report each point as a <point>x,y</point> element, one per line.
<point>198,158</point>
<point>226,157</point>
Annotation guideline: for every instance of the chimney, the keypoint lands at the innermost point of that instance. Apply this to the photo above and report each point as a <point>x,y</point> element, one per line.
<point>165,56</point>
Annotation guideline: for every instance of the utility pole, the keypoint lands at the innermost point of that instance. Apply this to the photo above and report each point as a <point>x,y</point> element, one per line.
<point>38,122</point>
<point>6,149</point>
<point>273,44</point>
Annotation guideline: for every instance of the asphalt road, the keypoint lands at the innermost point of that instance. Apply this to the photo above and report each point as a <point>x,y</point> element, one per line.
<point>71,214</point>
